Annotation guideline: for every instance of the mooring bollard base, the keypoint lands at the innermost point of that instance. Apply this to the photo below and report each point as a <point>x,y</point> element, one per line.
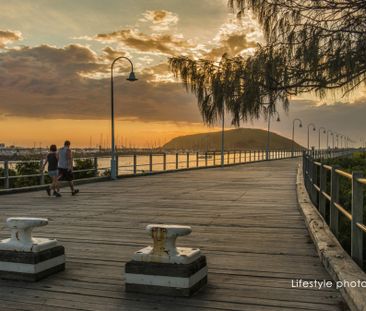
<point>166,278</point>
<point>29,266</point>
<point>25,258</point>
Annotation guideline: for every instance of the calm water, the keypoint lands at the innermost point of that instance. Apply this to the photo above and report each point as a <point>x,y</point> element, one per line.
<point>125,162</point>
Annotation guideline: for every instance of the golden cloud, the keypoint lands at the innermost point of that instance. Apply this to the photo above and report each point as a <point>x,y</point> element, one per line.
<point>161,20</point>
<point>9,36</point>
<point>165,44</point>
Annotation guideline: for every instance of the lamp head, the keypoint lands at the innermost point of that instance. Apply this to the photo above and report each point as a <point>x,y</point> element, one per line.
<point>314,128</point>
<point>132,77</point>
<point>300,125</point>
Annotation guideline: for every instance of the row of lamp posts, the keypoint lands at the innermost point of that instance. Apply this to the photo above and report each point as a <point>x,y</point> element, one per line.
<point>344,140</point>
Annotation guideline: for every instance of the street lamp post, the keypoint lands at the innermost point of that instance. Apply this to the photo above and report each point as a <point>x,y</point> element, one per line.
<point>293,135</point>
<point>131,78</point>
<point>328,131</point>
<point>266,106</point>
<point>314,129</point>
<point>319,135</point>
<point>223,136</point>
<point>341,138</point>
<point>337,135</point>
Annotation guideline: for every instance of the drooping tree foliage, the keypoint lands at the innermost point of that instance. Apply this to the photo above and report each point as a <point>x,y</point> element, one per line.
<point>311,46</point>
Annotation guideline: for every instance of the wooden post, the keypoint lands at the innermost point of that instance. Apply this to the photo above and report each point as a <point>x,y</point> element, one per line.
<point>240,156</point>
<point>134,164</point>
<point>164,161</point>
<point>150,162</point>
<point>206,158</point>
<point>323,186</point>
<point>214,158</point>
<point>245,156</point>
<point>334,194</point>
<point>234,156</point>
<point>197,159</point>
<point>176,161</point>
<point>254,155</point>
<point>228,158</point>
<point>315,182</point>
<point>95,165</point>
<point>357,217</point>
<point>41,180</point>
<point>250,155</point>
<point>187,159</point>
<point>6,175</point>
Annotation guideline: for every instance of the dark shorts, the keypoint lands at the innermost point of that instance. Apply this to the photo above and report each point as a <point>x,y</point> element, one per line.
<point>65,174</point>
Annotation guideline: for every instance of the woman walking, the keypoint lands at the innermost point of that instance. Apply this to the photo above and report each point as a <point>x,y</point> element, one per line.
<point>52,160</point>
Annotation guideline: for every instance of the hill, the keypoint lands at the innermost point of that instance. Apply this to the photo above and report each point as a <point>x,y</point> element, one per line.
<point>236,139</point>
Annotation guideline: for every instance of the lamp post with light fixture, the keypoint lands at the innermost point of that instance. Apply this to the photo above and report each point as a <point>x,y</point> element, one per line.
<point>293,135</point>
<point>314,129</point>
<point>131,78</point>
<point>324,131</point>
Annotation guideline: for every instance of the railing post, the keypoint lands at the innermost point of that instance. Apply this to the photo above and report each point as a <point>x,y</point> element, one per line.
<point>197,159</point>
<point>214,158</point>
<point>187,159</point>
<point>240,156</point>
<point>164,161</point>
<point>254,155</point>
<point>228,158</point>
<point>134,164</point>
<point>322,186</point>
<point>150,162</point>
<point>95,166</point>
<point>206,158</point>
<point>315,181</point>
<point>117,165</point>
<point>334,195</point>
<point>357,217</point>
<point>250,155</point>
<point>176,160</point>
<point>245,156</point>
<point>41,180</point>
<point>6,175</point>
<point>234,156</point>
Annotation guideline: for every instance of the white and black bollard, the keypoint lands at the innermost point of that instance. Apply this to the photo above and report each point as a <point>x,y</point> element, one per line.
<point>25,258</point>
<point>165,269</point>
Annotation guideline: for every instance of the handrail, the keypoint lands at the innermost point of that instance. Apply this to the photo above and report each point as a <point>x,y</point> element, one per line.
<point>343,211</point>
<point>158,161</point>
<point>344,174</point>
<point>317,181</point>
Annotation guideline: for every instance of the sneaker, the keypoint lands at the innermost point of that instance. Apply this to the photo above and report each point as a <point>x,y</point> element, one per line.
<point>57,194</point>
<point>48,190</point>
<point>75,192</point>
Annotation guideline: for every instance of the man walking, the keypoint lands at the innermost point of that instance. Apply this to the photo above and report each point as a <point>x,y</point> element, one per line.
<point>65,166</point>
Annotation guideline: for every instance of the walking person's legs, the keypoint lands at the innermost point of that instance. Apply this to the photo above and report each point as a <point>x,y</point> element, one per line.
<point>55,186</point>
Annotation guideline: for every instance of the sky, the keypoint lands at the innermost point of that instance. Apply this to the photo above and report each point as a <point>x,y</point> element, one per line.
<point>55,61</point>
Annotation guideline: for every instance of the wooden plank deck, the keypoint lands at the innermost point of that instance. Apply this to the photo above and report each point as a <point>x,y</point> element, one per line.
<point>244,218</point>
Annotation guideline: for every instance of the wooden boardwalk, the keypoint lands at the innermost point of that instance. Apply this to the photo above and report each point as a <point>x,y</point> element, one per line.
<point>244,218</point>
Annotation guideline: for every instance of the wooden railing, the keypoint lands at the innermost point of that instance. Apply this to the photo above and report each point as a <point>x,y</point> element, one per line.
<point>323,185</point>
<point>150,163</point>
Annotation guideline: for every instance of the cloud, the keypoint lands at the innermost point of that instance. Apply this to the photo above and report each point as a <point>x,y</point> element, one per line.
<point>45,69</point>
<point>49,82</point>
<point>161,19</point>
<point>233,38</point>
<point>9,36</point>
<point>163,44</point>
